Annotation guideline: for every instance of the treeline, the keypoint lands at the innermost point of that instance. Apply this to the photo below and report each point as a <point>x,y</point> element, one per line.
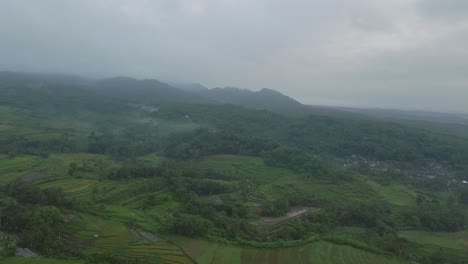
<point>22,145</point>
<point>201,219</point>
<point>35,215</point>
<point>377,140</point>
<point>135,140</point>
<point>237,130</point>
<point>434,215</point>
<point>309,165</point>
<point>202,142</point>
<point>178,177</point>
<point>332,136</point>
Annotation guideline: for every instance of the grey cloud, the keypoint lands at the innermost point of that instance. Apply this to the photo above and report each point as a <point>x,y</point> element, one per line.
<point>445,9</point>
<point>370,23</point>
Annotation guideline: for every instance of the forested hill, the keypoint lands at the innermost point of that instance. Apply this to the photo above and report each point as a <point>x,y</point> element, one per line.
<point>144,91</point>
<point>108,104</point>
<point>151,91</point>
<point>334,136</point>
<point>264,99</point>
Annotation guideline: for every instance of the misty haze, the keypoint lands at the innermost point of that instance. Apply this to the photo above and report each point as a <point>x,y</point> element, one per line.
<point>233,131</point>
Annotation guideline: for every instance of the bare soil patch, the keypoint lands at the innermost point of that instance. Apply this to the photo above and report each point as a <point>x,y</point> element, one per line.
<point>68,217</point>
<point>253,204</point>
<point>35,176</point>
<point>294,212</point>
<point>145,236</point>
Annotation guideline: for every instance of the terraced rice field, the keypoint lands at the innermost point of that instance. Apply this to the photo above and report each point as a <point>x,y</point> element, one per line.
<point>17,129</point>
<point>73,188</point>
<point>395,194</point>
<point>96,164</point>
<point>151,159</point>
<point>450,240</point>
<point>316,252</point>
<point>14,168</point>
<point>319,190</point>
<point>40,260</point>
<point>159,252</point>
<point>275,182</point>
<point>98,234</point>
<point>92,234</point>
<point>244,166</point>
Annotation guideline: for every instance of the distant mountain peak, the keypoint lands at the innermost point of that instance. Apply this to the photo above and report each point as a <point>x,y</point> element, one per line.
<point>152,91</point>
<point>271,92</point>
<point>147,90</point>
<point>231,89</point>
<point>189,87</point>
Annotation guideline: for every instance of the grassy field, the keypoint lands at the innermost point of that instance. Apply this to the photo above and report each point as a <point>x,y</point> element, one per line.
<point>14,168</point>
<point>320,190</point>
<point>277,182</point>
<point>56,165</point>
<point>39,127</point>
<point>153,159</point>
<point>91,165</point>
<point>244,166</point>
<point>316,252</point>
<point>108,206</point>
<point>40,260</point>
<point>451,240</point>
<point>395,194</point>
<point>99,234</point>
<point>94,234</point>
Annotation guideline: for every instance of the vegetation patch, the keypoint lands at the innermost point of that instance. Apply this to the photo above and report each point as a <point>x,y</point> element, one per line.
<point>315,252</point>
<point>451,240</point>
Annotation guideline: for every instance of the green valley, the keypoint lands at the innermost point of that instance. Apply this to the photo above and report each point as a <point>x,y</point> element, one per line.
<point>89,177</point>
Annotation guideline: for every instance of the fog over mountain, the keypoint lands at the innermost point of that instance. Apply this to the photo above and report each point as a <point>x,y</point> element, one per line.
<point>407,54</point>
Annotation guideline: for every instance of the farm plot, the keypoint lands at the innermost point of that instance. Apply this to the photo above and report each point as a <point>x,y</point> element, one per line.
<point>316,252</point>
<point>128,192</point>
<point>14,168</point>
<point>395,194</point>
<point>316,189</point>
<point>453,243</point>
<point>450,240</point>
<point>159,252</point>
<point>88,165</point>
<point>70,186</point>
<point>78,189</point>
<point>234,166</point>
<point>92,234</point>
<point>39,260</point>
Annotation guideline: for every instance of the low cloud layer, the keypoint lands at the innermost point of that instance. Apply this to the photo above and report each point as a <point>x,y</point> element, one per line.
<point>400,54</point>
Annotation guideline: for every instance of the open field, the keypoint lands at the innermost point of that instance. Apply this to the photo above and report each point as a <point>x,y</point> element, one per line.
<point>54,165</point>
<point>40,260</point>
<point>97,235</point>
<point>153,159</point>
<point>14,168</point>
<point>316,252</point>
<point>395,194</point>
<point>244,166</point>
<point>120,202</point>
<point>89,165</point>
<point>275,182</point>
<point>322,191</point>
<point>450,240</point>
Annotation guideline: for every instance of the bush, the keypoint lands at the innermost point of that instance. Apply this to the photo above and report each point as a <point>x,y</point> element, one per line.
<point>190,225</point>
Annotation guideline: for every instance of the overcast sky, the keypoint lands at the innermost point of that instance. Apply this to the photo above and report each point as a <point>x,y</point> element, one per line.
<point>387,53</point>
